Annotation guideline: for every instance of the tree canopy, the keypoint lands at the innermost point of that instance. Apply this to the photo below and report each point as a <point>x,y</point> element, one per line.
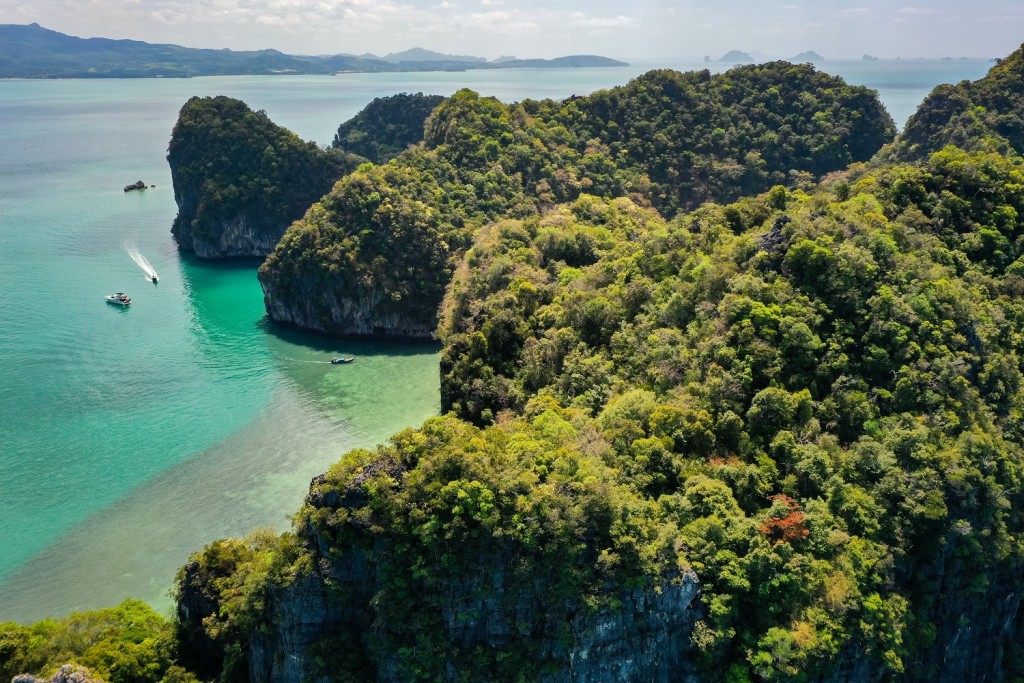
<point>667,139</point>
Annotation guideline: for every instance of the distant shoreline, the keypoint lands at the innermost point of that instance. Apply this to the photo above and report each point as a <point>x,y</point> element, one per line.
<point>34,52</point>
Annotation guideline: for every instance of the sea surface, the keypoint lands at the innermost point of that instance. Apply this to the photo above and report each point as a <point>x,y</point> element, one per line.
<point>129,438</point>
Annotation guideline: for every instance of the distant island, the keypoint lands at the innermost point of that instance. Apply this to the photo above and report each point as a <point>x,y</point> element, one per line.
<point>869,58</point>
<point>418,54</point>
<point>736,57</point>
<point>32,51</point>
<point>808,56</point>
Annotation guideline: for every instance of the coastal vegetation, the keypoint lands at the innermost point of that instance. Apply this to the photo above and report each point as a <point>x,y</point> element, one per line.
<point>129,643</point>
<point>381,246</point>
<point>387,126</point>
<point>699,333</point>
<point>807,398</point>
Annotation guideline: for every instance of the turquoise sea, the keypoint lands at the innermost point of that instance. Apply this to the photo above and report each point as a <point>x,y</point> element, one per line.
<point>131,437</point>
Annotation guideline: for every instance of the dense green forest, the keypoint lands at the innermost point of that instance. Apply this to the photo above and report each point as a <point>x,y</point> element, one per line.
<point>386,126</point>
<point>385,239</point>
<point>804,395</point>
<point>810,399</point>
<point>129,643</point>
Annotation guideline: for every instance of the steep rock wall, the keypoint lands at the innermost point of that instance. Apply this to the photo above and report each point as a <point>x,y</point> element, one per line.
<point>231,238</point>
<point>331,617</point>
<point>343,313</point>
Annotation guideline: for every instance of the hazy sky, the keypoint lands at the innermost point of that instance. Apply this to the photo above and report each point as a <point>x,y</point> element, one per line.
<point>646,29</point>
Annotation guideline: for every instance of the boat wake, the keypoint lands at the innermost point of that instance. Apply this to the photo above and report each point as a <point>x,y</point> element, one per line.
<point>141,262</point>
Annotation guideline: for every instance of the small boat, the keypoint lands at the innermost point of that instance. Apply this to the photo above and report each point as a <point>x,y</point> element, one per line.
<point>154,279</point>
<point>339,361</point>
<point>118,299</point>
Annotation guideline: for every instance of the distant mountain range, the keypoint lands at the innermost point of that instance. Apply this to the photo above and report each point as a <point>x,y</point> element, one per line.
<point>31,51</point>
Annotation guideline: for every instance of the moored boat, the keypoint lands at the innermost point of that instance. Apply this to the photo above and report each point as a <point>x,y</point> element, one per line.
<point>118,299</point>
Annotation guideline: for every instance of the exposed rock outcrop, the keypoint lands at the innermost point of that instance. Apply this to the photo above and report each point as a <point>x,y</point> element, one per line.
<point>638,634</point>
<point>337,312</point>
<point>69,673</point>
<point>137,185</point>
<point>644,637</point>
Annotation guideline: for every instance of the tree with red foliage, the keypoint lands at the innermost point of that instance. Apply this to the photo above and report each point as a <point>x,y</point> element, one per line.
<point>785,521</point>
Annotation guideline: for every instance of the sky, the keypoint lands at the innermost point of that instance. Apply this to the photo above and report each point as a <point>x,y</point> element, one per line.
<point>654,30</point>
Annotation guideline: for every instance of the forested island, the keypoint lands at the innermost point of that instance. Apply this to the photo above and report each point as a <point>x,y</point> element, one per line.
<point>731,382</point>
<point>31,51</point>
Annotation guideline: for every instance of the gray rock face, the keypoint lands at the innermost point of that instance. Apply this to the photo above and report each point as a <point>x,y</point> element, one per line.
<point>69,673</point>
<point>641,634</point>
<point>646,637</point>
<point>338,313</point>
<point>235,238</point>
<point>975,623</point>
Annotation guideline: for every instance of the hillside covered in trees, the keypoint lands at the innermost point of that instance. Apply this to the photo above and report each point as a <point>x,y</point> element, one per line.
<point>809,399</point>
<point>763,435</point>
<point>386,126</point>
<point>975,115</point>
<point>386,237</point>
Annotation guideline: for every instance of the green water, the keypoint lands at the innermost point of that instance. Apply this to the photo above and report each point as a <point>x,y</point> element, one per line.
<point>131,437</point>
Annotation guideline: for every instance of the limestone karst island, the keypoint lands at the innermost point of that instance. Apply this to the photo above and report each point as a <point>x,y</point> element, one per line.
<point>731,386</point>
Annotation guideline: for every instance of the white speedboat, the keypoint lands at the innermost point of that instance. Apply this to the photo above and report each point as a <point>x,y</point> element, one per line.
<point>118,299</point>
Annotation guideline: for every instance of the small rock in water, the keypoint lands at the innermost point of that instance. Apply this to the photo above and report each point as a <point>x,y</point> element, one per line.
<point>137,185</point>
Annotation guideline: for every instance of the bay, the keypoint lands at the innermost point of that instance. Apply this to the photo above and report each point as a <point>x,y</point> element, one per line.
<point>131,437</point>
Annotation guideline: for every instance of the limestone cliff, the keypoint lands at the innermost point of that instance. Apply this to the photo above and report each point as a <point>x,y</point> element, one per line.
<point>639,634</point>
<point>645,636</point>
<point>336,312</point>
<point>431,559</point>
<point>370,258</point>
<point>240,180</point>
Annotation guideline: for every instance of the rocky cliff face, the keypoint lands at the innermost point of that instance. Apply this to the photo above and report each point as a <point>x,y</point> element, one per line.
<point>643,634</point>
<point>343,313</point>
<point>69,673</point>
<point>644,637</point>
<point>977,617</point>
<point>231,238</point>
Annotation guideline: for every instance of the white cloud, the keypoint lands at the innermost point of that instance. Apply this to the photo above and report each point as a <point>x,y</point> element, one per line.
<point>621,21</point>
<point>547,28</point>
<point>497,23</point>
<point>918,11</point>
